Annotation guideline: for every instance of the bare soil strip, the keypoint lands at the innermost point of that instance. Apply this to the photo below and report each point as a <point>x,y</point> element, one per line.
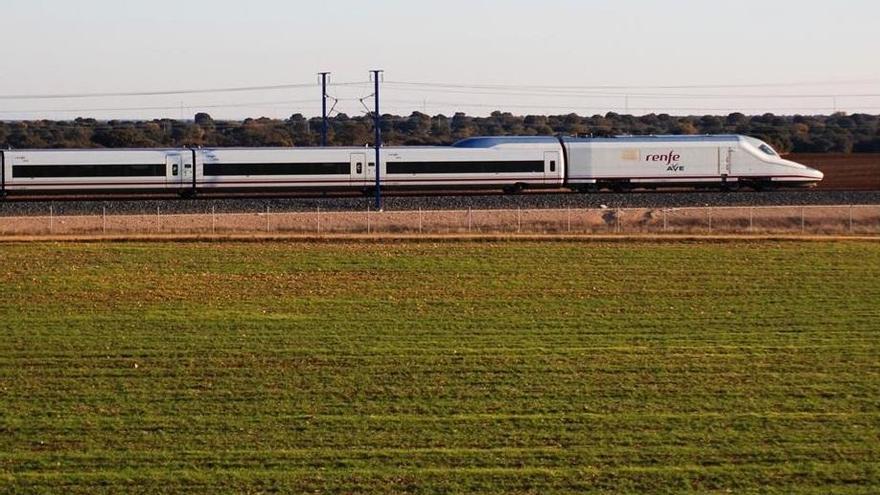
<point>862,220</point>
<point>306,238</point>
<point>844,172</point>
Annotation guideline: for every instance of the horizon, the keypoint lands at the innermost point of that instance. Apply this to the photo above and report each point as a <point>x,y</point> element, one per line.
<point>192,119</point>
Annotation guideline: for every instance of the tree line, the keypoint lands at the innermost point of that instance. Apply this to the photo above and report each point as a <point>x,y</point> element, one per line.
<point>838,132</point>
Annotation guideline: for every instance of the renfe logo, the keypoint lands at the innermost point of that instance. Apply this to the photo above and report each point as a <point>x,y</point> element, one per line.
<point>670,159</point>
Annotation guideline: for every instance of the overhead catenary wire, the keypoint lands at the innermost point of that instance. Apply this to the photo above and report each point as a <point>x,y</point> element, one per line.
<point>174,107</point>
<point>576,95</point>
<point>171,92</point>
<point>600,94</point>
<point>366,108</point>
<point>503,105</point>
<point>121,123</point>
<point>600,87</point>
<point>332,107</point>
<point>594,90</point>
<point>413,105</point>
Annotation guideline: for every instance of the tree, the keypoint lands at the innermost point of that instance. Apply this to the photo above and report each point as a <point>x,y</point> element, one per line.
<point>799,133</point>
<point>204,120</point>
<point>462,126</point>
<point>685,126</point>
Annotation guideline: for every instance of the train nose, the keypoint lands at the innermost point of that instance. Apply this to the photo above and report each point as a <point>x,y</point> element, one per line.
<point>810,172</point>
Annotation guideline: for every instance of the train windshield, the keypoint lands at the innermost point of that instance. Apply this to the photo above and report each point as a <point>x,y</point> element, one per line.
<point>762,146</point>
<point>767,149</point>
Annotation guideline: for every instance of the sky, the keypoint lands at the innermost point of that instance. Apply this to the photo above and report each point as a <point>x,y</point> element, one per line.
<point>683,57</point>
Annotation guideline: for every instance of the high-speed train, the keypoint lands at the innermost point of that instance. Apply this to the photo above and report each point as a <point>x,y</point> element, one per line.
<point>509,163</point>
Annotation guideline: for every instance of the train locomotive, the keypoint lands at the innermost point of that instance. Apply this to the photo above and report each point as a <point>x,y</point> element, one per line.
<point>727,162</point>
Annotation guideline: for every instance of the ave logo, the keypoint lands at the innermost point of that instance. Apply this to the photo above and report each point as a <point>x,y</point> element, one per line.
<point>671,160</point>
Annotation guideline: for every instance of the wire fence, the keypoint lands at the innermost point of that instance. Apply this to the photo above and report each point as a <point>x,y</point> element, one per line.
<point>814,220</point>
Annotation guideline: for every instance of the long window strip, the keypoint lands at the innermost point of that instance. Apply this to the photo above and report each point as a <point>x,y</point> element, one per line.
<point>461,167</point>
<point>233,169</point>
<point>88,170</point>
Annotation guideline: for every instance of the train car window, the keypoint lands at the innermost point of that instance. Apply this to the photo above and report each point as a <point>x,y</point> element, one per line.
<point>221,169</point>
<point>481,167</point>
<point>553,165</point>
<point>62,171</point>
<point>360,168</point>
<point>767,149</point>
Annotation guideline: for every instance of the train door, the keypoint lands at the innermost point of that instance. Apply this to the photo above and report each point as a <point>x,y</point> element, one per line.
<point>725,160</point>
<point>188,170</point>
<point>2,174</point>
<point>358,169</point>
<point>173,171</point>
<point>370,175</point>
<point>552,167</point>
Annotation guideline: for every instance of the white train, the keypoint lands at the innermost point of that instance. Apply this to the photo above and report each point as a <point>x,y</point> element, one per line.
<point>511,163</point>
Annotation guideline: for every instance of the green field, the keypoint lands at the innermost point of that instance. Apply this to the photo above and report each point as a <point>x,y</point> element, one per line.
<point>731,367</point>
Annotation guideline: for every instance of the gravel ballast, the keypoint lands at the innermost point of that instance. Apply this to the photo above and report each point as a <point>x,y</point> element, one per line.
<point>408,203</point>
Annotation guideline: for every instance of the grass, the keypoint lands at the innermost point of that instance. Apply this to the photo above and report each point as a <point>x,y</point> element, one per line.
<point>440,368</point>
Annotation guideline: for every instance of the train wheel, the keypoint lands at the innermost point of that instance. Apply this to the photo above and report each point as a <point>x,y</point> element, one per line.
<point>514,189</point>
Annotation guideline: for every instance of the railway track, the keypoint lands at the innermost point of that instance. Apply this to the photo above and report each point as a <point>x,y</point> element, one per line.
<point>354,203</point>
<point>307,195</point>
<point>263,195</point>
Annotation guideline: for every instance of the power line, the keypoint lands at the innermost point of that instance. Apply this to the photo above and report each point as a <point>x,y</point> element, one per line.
<point>175,107</point>
<point>596,90</point>
<point>433,103</point>
<point>221,125</point>
<point>604,87</point>
<point>599,94</point>
<point>61,96</point>
<point>405,104</point>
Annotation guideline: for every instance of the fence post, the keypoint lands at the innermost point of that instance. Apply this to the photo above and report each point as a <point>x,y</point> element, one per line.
<point>568,219</point>
<point>267,219</point>
<point>51,219</point>
<point>104,219</point>
<point>420,219</point>
<point>318,217</point>
<point>850,219</point>
<point>369,221</point>
<point>751,219</point>
<point>803,220</point>
<point>158,221</point>
<point>470,220</point>
<point>518,220</point>
<point>617,220</point>
<point>665,221</point>
<point>709,214</point>
<point>213,220</point>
